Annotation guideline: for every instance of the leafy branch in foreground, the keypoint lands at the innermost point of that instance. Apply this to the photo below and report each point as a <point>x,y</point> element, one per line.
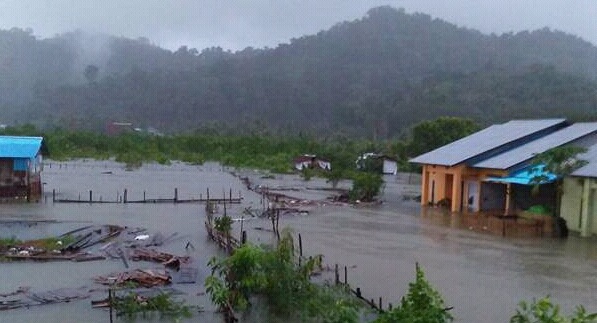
<point>544,311</point>
<point>422,304</point>
<point>274,276</point>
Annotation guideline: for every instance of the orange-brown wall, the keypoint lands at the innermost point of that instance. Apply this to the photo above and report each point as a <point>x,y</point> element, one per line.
<point>435,186</point>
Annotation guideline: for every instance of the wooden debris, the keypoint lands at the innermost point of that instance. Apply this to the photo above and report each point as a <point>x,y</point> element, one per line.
<point>141,277</point>
<point>28,298</point>
<point>152,255</point>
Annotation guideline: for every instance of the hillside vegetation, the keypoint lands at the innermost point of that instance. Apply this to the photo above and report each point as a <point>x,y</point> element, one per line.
<point>373,77</point>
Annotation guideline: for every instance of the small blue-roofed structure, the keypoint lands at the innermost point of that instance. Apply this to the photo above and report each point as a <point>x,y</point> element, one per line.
<point>21,164</point>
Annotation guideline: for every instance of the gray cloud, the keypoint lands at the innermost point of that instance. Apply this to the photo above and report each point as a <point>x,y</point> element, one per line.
<point>258,23</point>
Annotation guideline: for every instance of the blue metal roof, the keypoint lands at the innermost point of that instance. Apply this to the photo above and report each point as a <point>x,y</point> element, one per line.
<point>485,140</point>
<point>19,147</point>
<point>528,151</point>
<point>529,176</point>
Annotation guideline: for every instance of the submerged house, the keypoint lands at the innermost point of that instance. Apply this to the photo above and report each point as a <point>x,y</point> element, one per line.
<point>491,170</point>
<point>20,168</point>
<point>377,162</point>
<point>311,162</point>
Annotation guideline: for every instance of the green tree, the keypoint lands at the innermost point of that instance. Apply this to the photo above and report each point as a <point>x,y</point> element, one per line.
<point>365,186</point>
<point>334,176</point>
<point>91,72</point>
<point>274,275</point>
<point>560,161</point>
<point>428,135</point>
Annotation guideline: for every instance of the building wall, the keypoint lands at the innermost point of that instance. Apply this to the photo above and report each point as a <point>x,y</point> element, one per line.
<point>20,179</point>
<point>390,167</point>
<point>443,182</point>
<point>6,172</point>
<point>579,205</point>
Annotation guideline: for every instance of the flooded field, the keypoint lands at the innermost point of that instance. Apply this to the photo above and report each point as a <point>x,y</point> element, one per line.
<point>481,274</point>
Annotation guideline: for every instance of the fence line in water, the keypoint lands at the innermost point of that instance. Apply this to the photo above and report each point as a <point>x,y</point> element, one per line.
<point>123,199</point>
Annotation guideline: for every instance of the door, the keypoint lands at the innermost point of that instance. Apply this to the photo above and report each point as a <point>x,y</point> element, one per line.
<point>472,200</point>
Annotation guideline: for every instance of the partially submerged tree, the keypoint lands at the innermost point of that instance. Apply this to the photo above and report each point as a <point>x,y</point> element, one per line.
<point>422,304</point>
<point>275,277</point>
<point>365,186</point>
<point>334,176</point>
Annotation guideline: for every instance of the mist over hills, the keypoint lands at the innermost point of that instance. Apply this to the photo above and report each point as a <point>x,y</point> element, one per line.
<point>373,77</point>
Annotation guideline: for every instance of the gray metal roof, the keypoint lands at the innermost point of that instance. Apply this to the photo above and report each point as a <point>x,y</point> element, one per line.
<point>484,141</point>
<point>590,169</point>
<point>527,151</point>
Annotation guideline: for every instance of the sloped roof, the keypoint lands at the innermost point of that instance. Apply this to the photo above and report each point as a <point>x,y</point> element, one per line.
<point>527,151</point>
<point>485,140</point>
<point>19,147</point>
<point>590,169</point>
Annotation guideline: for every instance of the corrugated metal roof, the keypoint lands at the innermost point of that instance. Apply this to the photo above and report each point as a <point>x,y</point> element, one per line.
<point>19,147</point>
<point>590,169</point>
<point>483,141</point>
<point>527,151</point>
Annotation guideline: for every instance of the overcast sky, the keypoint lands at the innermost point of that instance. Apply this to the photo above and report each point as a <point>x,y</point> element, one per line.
<point>235,25</point>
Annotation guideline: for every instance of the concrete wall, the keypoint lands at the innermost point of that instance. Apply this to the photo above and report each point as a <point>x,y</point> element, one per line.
<point>579,205</point>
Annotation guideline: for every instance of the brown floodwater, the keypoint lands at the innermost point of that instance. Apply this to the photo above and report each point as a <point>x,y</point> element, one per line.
<point>481,274</point>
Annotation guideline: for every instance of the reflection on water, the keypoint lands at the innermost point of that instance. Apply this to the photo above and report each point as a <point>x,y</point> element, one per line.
<point>479,272</point>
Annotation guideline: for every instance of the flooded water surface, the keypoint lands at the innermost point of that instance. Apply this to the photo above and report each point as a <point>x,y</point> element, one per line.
<point>482,275</point>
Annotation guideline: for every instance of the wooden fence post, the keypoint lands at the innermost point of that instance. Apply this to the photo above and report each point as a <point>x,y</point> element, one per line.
<point>110,302</point>
<point>336,275</point>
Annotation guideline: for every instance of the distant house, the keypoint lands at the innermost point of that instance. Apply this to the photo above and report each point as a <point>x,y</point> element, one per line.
<point>377,162</point>
<point>20,168</point>
<point>492,169</point>
<point>311,162</point>
<point>115,128</point>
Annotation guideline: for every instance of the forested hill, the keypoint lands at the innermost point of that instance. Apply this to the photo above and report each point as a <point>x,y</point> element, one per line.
<point>374,77</point>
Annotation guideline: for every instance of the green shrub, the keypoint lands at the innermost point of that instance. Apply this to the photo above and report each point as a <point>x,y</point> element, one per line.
<point>544,311</point>
<point>365,186</point>
<point>422,304</point>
